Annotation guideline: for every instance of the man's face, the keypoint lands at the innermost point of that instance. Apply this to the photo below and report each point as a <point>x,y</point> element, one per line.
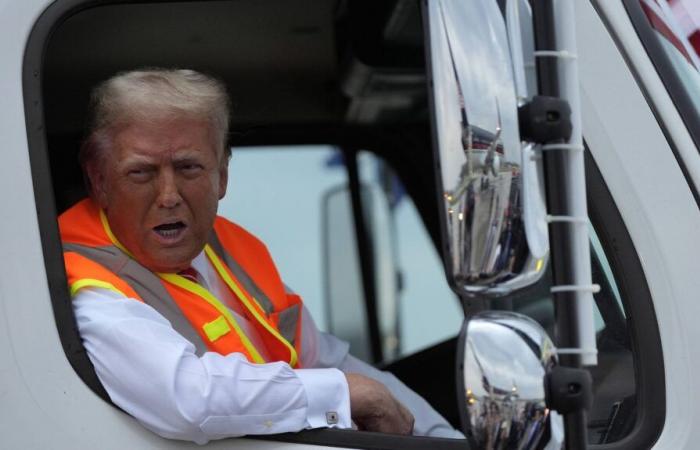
<point>159,187</point>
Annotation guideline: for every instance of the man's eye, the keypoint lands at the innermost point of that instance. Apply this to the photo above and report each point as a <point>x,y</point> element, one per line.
<point>191,168</point>
<point>139,174</point>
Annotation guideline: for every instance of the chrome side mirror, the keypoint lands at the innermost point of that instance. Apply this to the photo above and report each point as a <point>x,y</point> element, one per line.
<point>493,217</point>
<point>503,359</point>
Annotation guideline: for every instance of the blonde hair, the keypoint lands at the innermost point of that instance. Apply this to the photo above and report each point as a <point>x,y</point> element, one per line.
<point>142,96</point>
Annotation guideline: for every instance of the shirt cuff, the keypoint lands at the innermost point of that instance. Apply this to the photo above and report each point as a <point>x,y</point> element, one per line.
<point>328,398</point>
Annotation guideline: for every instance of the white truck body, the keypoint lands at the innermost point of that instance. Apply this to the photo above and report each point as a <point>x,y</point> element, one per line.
<point>46,405</point>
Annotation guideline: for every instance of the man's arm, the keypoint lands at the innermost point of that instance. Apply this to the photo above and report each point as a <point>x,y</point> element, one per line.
<point>324,350</point>
<point>152,372</point>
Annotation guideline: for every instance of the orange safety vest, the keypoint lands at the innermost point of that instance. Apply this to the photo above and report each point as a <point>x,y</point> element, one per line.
<point>95,258</point>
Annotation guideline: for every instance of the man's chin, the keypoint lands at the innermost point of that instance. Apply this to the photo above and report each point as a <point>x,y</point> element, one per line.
<point>168,261</point>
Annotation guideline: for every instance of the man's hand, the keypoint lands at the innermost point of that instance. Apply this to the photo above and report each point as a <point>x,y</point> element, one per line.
<point>373,408</point>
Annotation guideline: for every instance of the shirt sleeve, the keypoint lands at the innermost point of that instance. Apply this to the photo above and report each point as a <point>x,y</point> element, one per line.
<point>153,373</point>
<point>324,350</point>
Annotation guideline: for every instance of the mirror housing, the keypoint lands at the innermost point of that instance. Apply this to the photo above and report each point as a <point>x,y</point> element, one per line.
<point>494,218</point>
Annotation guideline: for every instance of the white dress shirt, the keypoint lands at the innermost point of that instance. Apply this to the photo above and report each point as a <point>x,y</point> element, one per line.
<point>153,373</point>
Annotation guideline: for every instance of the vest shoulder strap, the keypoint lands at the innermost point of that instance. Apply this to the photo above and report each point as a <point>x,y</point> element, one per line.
<point>81,224</point>
<point>249,259</point>
<point>83,272</point>
<point>109,267</point>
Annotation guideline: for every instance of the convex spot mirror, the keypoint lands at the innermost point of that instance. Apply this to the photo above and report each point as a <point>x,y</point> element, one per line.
<point>503,360</point>
<point>491,189</point>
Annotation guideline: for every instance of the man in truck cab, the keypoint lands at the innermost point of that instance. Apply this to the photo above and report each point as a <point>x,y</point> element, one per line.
<point>183,314</point>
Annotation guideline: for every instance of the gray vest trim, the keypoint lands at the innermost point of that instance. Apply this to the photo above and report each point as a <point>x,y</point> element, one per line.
<point>145,283</point>
<point>288,320</point>
<point>241,275</point>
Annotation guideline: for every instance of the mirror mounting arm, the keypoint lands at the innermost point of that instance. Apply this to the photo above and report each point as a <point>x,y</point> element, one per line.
<point>545,119</point>
<point>568,389</point>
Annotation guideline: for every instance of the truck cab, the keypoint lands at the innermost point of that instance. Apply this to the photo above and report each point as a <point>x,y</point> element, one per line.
<point>334,168</point>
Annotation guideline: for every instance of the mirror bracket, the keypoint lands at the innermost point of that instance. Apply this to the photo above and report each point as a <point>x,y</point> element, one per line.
<point>545,119</point>
<point>568,389</point>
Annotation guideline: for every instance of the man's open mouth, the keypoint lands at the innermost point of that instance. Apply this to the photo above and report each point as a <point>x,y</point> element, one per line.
<point>170,230</point>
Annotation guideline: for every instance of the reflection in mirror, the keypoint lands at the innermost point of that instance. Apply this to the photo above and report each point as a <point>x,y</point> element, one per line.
<point>521,38</point>
<point>480,154</point>
<point>505,357</point>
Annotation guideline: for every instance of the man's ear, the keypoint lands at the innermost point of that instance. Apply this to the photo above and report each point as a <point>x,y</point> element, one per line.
<point>96,182</point>
<point>223,176</point>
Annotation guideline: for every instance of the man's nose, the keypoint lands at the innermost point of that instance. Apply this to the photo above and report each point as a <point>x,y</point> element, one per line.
<point>168,190</point>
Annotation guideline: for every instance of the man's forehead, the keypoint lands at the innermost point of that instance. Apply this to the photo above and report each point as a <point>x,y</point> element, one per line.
<point>144,154</point>
<point>153,140</point>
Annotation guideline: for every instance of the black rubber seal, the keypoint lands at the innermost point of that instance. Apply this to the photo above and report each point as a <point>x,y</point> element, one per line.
<point>642,325</point>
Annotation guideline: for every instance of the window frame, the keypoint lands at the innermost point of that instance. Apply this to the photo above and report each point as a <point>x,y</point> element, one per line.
<point>37,144</point>
<point>365,249</point>
<point>643,329</point>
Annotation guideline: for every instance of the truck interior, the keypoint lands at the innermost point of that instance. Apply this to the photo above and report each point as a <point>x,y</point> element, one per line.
<point>346,74</point>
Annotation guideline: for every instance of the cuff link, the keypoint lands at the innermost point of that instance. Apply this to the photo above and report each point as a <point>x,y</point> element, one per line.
<point>332,417</point>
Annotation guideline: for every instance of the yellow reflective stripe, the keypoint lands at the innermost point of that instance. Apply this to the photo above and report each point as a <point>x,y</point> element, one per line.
<point>90,282</point>
<point>112,237</point>
<point>231,284</point>
<point>216,328</point>
<point>213,301</point>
